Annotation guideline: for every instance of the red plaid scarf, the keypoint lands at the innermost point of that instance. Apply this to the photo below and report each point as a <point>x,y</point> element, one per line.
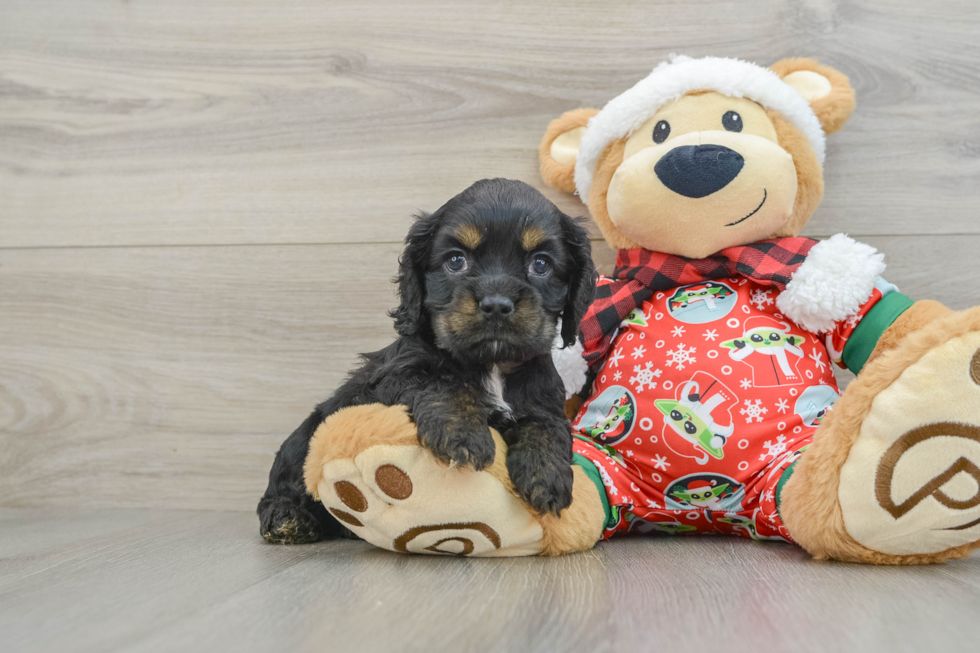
<point>639,273</point>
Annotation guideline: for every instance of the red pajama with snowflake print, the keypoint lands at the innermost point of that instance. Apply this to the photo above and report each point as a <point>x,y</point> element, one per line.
<point>705,397</point>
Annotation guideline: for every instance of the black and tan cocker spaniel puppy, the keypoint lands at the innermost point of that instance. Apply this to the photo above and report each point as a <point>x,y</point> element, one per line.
<point>484,283</point>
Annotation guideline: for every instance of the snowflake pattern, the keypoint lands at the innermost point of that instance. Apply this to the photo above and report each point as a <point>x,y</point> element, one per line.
<point>644,461</point>
<point>774,450</point>
<point>615,357</point>
<point>753,410</point>
<point>644,377</point>
<point>817,358</point>
<point>853,321</point>
<point>681,356</point>
<point>607,480</point>
<point>760,298</point>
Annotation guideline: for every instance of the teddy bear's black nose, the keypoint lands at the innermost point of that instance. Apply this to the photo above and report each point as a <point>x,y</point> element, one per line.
<point>698,170</point>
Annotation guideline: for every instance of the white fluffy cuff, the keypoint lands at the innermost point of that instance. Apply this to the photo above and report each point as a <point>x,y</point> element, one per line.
<point>572,368</point>
<point>837,277</point>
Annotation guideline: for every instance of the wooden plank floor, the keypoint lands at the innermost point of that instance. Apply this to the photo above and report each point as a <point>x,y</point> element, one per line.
<point>128,580</point>
<point>201,205</point>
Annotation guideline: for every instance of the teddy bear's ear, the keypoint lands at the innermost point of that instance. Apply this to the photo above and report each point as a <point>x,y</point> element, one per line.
<point>559,148</point>
<point>827,90</point>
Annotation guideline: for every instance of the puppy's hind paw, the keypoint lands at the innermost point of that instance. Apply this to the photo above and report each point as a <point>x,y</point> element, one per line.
<point>283,521</point>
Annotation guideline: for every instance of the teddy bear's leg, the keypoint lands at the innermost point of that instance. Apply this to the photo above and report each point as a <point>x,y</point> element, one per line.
<point>366,466</point>
<point>893,474</point>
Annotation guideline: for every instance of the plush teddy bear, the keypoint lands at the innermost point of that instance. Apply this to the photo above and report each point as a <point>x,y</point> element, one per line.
<point>702,384</point>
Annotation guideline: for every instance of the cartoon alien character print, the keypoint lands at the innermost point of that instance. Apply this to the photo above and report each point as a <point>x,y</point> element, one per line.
<point>749,527</point>
<point>711,492</point>
<point>636,317</point>
<point>702,302</point>
<point>740,522</point>
<point>609,417</point>
<point>657,523</point>
<point>766,346</point>
<point>701,416</point>
<point>813,404</point>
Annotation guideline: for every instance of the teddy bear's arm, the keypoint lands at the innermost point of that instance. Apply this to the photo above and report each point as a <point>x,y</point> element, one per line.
<point>836,280</point>
<point>571,363</point>
<point>837,292</point>
<point>571,366</point>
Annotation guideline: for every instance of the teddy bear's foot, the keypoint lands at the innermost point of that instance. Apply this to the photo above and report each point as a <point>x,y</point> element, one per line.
<point>893,475</point>
<point>366,466</point>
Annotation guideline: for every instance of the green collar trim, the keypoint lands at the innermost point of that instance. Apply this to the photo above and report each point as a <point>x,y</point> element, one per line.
<point>866,334</point>
<point>590,470</point>
<point>782,481</point>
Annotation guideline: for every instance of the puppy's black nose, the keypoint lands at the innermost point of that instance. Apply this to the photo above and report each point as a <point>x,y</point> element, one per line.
<point>496,306</point>
<point>698,170</point>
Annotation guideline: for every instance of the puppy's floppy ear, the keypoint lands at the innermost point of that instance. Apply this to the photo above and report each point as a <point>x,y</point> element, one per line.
<point>410,316</point>
<point>559,148</point>
<point>581,284</point>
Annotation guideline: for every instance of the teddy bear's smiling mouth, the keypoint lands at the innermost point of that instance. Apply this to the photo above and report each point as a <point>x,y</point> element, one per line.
<point>765,194</point>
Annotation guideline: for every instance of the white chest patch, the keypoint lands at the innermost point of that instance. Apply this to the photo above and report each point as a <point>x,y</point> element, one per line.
<point>494,385</point>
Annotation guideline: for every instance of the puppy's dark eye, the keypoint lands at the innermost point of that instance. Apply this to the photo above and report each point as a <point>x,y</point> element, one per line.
<point>731,121</point>
<point>661,131</point>
<point>539,266</point>
<point>456,263</point>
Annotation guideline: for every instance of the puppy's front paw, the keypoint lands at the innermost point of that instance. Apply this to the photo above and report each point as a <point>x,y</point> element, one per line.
<point>456,437</point>
<point>542,479</point>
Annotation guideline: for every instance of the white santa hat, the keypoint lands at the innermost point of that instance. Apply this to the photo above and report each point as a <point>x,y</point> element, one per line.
<point>672,79</point>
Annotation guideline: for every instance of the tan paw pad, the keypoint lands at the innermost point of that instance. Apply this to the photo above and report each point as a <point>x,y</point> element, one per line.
<point>400,498</point>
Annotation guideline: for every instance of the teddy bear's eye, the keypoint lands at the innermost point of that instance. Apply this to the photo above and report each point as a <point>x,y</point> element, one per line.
<point>731,121</point>
<point>661,131</point>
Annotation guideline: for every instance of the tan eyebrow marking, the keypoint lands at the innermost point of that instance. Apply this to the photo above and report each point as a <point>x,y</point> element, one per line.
<point>532,237</point>
<point>468,235</point>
